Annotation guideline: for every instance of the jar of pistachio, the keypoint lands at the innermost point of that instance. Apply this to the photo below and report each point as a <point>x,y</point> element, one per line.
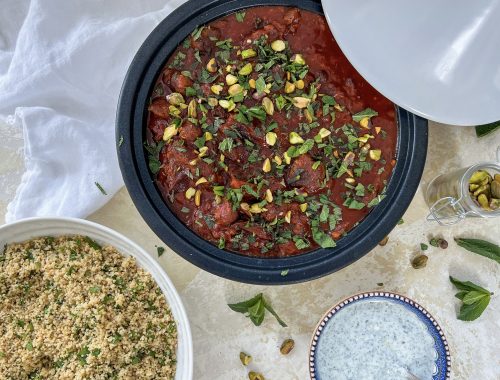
<point>468,192</point>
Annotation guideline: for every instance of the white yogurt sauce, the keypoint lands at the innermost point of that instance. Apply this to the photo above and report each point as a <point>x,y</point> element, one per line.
<point>375,340</point>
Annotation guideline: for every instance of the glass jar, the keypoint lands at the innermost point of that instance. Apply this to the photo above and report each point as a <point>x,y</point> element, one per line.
<point>449,199</point>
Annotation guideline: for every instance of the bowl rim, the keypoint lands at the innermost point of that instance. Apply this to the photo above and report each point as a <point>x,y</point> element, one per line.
<point>33,228</point>
<point>330,313</point>
<point>131,113</point>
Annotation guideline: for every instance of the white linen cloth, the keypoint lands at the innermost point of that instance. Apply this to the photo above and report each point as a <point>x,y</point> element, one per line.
<point>62,64</point>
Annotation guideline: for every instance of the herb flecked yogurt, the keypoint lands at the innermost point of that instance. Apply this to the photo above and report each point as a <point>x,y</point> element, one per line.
<point>375,340</point>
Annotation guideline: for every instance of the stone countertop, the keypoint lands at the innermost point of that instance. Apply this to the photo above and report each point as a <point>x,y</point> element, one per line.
<point>220,334</point>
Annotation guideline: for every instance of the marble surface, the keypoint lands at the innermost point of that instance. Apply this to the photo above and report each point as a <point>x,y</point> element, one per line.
<point>220,334</point>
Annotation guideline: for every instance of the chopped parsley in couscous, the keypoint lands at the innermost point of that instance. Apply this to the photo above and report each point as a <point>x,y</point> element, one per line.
<point>71,309</point>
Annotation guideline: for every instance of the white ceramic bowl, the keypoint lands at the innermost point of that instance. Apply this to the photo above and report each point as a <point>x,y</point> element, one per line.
<point>438,59</point>
<point>35,227</point>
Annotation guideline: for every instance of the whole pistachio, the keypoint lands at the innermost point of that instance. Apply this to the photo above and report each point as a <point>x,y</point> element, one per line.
<point>287,346</point>
<point>255,376</point>
<point>419,262</point>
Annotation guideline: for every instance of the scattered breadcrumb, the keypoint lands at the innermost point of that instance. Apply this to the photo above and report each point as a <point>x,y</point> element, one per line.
<point>70,309</point>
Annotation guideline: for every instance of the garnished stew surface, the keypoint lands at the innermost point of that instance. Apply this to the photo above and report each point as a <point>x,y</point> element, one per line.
<point>262,137</point>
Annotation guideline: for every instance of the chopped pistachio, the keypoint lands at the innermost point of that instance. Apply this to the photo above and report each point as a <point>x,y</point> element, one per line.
<point>197,198</point>
<point>278,45</point>
<point>175,98</point>
<point>267,165</point>
<point>248,53</point>
<point>245,358</point>
<point>231,79</point>
<point>301,102</point>
<point>208,136</point>
<point>303,207</point>
<point>212,65</point>
<point>323,132</point>
<point>375,154</point>
<point>246,70</point>
<point>213,101</point>
<point>271,138</point>
<point>295,138</point>
<point>364,122</point>
<point>190,193</point>
<point>173,110</point>
<point>200,181</point>
<point>338,107</point>
<point>278,160</point>
<point>268,105</point>
<point>170,132</point>
<point>235,89</point>
<point>193,162</point>
<point>289,87</point>
<point>227,104</point>
<point>287,158</point>
<point>252,83</point>
<point>216,89</point>
<point>269,196</point>
<point>288,216</point>
<point>203,151</point>
<point>245,206</point>
<point>257,209</point>
<point>192,109</point>
<point>377,130</point>
<point>298,58</point>
<point>350,181</point>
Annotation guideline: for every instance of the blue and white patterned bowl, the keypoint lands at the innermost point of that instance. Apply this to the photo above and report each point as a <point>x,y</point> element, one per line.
<point>442,362</point>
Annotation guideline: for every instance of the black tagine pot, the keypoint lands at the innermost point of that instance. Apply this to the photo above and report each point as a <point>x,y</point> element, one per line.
<point>131,130</point>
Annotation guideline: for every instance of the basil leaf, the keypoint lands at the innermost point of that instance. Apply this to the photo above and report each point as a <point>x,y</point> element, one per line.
<point>256,312</point>
<point>254,308</point>
<point>461,295</point>
<point>486,129</point>
<point>473,311</point>
<point>368,112</point>
<point>481,247</point>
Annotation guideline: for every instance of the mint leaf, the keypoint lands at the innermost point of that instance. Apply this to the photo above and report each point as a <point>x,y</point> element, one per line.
<point>472,312</point>
<point>368,112</point>
<point>255,308</point>
<point>474,299</point>
<point>486,129</point>
<point>481,247</point>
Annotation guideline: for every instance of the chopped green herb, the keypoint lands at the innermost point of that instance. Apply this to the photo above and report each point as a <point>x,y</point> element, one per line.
<point>240,16</point>
<point>101,189</point>
<point>368,112</point>
<point>160,250</point>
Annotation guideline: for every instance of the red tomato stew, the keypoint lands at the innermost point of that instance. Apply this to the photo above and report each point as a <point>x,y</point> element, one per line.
<point>262,137</point>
